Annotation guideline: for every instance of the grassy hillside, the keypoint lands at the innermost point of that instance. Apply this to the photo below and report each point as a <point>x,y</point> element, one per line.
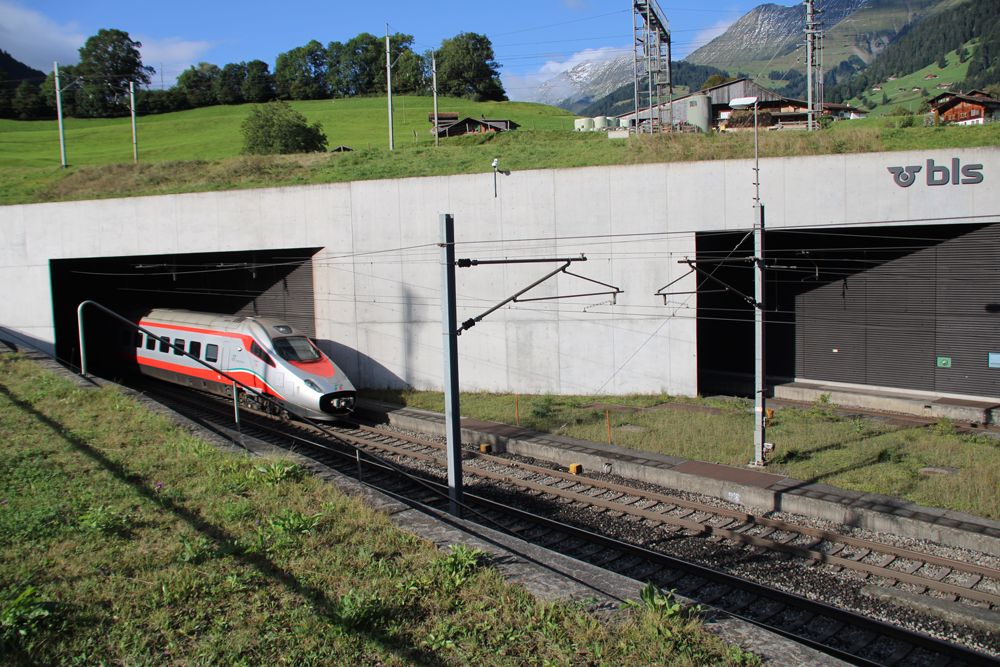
<point>908,98</point>
<point>214,132</point>
<point>197,151</point>
<point>858,35</point>
<point>518,151</point>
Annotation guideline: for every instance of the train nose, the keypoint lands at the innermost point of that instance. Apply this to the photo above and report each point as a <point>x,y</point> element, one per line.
<point>337,403</point>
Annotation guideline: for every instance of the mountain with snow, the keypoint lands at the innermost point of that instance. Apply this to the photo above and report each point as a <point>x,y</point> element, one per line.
<point>585,82</point>
<point>770,31</point>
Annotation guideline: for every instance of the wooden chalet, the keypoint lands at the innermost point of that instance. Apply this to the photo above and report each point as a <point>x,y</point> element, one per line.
<point>843,111</point>
<point>970,108</point>
<point>470,125</point>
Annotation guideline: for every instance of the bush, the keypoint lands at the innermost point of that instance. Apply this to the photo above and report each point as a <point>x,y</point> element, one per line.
<point>276,128</point>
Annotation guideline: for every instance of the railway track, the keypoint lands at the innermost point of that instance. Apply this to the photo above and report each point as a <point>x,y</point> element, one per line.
<point>584,518</point>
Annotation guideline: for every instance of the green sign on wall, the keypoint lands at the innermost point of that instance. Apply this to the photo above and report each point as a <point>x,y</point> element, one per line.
<point>944,362</point>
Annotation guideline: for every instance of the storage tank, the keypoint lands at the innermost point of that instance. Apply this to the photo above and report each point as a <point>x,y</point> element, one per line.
<point>601,123</point>
<point>699,111</point>
<point>579,124</point>
<point>586,124</point>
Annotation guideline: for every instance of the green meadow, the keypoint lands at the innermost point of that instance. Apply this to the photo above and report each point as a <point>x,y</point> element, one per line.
<point>200,150</point>
<point>213,133</point>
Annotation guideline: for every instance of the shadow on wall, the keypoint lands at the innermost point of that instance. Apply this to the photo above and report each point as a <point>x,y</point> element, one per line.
<point>363,371</point>
<point>16,340</point>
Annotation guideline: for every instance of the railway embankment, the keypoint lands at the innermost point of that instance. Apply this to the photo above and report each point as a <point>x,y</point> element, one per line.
<point>753,490</point>
<point>128,539</point>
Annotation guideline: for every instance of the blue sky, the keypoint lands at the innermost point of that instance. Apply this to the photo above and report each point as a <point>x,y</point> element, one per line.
<point>533,39</point>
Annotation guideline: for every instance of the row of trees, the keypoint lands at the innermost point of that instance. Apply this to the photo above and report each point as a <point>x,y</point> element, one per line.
<point>110,60</point>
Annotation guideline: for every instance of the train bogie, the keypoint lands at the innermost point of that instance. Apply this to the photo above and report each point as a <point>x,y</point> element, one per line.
<point>263,353</point>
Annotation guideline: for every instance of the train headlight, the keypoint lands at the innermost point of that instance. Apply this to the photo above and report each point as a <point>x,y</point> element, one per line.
<point>312,385</point>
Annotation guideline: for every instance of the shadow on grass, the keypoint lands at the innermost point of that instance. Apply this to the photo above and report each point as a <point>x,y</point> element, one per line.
<point>333,610</point>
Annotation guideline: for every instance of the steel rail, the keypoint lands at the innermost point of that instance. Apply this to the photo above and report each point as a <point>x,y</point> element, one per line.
<point>841,616</point>
<point>916,639</point>
<point>899,552</point>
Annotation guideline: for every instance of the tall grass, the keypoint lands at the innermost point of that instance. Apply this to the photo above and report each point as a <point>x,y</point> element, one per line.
<point>125,541</point>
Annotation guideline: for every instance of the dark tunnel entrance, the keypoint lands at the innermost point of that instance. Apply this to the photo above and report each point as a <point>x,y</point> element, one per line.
<point>275,283</point>
<point>912,307</point>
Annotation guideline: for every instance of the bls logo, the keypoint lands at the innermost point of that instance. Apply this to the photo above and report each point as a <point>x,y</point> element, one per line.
<point>970,174</point>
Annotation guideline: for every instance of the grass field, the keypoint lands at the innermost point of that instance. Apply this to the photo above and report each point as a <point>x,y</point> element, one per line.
<point>908,98</point>
<point>546,147</point>
<point>213,133</point>
<point>124,541</point>
<point>812,445</point>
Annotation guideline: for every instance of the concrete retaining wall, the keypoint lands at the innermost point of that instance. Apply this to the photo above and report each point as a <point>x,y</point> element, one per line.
<point>378,279</point>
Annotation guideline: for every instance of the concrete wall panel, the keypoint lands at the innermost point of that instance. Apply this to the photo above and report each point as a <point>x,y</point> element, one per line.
<point>13,240</point>
<point>116,228</point>
<point>43,230</point>
<point>198,222</point>
<point>377,277</point>
<point>239,219</point>
<point>156,224</point>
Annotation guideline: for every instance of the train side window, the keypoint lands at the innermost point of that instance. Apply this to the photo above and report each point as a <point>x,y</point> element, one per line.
<point>137,339</point>
<point>211,353</point>
<point>164,345</point>
<point>257,351</point>
<point>194,349</point>
<point>150,343</point>
<point>179,347</point>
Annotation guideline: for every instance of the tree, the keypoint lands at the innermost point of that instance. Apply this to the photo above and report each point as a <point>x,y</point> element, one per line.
<point>276,128</point>
<point>354,67</point>
<point>28,102</point>
<point>963,54</point>
<point>228,85</point>
<point>467,68</point>
<point>109,61</point>
<point>258,86</point>
<point>942,61</point>
<point>198,83</point>
<point>70,84</point>
<point>925,107</point>
<point>717,79</point>
<point>885,99</point>
<point>5,96</point>
<point>300,74</point>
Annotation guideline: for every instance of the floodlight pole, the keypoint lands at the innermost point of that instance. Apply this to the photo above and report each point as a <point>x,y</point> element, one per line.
<point>760,412</point>
<point>449,331</point>
<point>131,99</point>
<point>388,80</point>
<point>62,139</point>
<point>434,85</point>
<point>760,399</point>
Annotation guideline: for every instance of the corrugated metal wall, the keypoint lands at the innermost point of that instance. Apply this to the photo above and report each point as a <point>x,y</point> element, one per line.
<point>888,323</point>
<point>290,298</point>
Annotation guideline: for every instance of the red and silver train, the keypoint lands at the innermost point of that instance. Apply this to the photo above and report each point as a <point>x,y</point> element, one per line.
<point>261,352</point>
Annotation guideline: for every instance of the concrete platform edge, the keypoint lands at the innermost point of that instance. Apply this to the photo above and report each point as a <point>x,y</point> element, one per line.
<point>851,508</point>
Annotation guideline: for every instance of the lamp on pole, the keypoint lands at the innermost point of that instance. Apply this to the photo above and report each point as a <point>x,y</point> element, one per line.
<point>758,317</point>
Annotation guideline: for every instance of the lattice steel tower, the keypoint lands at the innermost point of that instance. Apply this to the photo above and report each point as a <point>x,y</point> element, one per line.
<point>652,56</point>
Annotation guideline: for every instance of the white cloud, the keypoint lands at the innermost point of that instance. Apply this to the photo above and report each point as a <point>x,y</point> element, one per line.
<point>36,40</point>
<point>170,56</point>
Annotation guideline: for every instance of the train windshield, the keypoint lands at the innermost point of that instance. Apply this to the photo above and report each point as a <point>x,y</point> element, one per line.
<point>295,348</point>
